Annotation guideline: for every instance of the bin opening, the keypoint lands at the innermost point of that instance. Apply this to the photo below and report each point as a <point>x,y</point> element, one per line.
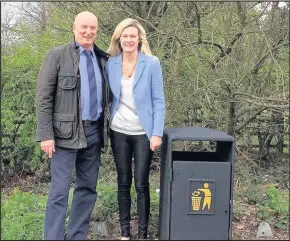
<point>209,151</point>
<point>196,146</point>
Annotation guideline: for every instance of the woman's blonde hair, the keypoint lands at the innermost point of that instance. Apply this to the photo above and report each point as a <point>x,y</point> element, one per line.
<point>114,48</point>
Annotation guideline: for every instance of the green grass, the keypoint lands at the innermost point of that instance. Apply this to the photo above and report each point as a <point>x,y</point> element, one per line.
<point>22,212</point>
<point>107,204</point>
<point>275,208</point>
<point>22,215</point>
<point>265,190</point>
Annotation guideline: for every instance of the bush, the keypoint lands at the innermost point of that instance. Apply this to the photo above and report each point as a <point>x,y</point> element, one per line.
<point>275,209</point>
<point>106,203</point>
<point>22,215</point>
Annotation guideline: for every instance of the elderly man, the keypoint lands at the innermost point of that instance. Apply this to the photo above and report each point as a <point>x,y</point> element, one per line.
<point>72,96</point>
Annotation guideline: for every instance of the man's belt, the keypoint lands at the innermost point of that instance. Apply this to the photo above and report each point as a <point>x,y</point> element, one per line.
<point>89,122</point>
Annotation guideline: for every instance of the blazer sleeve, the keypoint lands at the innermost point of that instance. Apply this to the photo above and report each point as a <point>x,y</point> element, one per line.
<point>158,99</point>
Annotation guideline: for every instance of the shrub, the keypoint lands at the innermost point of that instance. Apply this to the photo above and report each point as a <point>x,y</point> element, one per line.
<point>275,209</point>
<point>22,215</point>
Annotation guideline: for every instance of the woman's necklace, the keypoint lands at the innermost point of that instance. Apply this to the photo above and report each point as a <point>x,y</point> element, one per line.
<point>125,72</point>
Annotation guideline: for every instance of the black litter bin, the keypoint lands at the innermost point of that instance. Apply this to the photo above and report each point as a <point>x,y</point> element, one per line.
<point>196,188</point>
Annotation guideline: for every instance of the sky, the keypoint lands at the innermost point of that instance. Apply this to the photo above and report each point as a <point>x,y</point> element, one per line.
<point>12,7</point>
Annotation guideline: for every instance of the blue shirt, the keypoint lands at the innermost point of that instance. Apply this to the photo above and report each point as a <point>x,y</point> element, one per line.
<point>85,91</point>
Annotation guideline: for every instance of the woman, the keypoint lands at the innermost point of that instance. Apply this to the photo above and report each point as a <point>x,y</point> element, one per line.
<point>137,114</point>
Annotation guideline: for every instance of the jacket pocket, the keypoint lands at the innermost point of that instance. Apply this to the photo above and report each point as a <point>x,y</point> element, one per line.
<point>63,125</point>
<point>66,80</point>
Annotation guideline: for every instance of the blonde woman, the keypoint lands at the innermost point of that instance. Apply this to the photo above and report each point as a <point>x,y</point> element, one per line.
<point>137,115</point>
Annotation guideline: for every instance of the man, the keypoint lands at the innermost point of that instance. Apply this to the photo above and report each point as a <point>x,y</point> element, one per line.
<point>72,95</point>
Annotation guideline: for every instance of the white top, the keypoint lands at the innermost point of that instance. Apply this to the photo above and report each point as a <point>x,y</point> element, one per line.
<point>126,119</point>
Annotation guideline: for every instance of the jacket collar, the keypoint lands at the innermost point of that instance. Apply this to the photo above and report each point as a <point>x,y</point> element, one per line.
<point>139,66</point>
<point>140,58</point>
<point>97,51</point>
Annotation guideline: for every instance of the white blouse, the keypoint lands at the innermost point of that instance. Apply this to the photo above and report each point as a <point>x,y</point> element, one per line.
<point>125,119</point>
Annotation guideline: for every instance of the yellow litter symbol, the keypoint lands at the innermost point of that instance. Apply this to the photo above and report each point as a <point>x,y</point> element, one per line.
<point>196,198</point>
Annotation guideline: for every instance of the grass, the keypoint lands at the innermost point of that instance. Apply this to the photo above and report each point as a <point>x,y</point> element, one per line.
<point>264,190</point>
<point>275,208</point>
<point>22,216</point>
<point>22,212</point>
<point>107,203</point>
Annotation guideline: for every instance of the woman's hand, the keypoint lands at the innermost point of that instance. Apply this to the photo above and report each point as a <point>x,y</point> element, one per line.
<point>155,142</point>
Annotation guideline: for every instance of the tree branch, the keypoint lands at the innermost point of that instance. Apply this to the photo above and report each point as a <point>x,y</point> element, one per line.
<point>260,98</point>
<point>257,66</point>
<point>241,14</point>
<point>240,113</point>
<point>252,117</point>
<point>268,105</point>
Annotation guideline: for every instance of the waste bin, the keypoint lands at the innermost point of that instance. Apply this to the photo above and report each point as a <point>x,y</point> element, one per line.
<point>196,188</point>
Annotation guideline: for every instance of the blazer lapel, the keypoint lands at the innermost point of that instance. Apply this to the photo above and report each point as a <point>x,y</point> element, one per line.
<point>118,74</point>
<point>139,68</point>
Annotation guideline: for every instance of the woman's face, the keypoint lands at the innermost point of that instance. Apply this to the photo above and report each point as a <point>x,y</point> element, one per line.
<point>129,39</point>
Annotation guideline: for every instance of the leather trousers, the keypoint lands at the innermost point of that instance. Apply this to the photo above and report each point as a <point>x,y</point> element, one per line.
<point>125,147</point>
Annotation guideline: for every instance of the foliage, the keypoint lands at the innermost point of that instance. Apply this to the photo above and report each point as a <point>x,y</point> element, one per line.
<point>239,210</point>
<point>22,215</point>
<point>275,209</point>
<point>225,66</point>
<point>223,63</point>
<point>272,204</point>
<point>106,203</point>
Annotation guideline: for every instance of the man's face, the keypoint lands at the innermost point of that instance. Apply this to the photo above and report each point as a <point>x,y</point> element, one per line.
<point>85,29</point>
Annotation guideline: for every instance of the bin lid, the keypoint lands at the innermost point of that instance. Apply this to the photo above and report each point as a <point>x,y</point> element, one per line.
<point>197,134</point>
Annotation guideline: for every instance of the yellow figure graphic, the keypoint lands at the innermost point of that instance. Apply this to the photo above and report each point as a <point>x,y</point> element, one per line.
<point>196,199</point>
<point>207,196</point>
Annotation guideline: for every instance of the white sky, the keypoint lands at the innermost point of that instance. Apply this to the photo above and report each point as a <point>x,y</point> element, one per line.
<point>12,7</point>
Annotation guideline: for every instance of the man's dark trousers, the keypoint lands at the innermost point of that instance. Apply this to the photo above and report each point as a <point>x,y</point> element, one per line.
<point>86,162</point>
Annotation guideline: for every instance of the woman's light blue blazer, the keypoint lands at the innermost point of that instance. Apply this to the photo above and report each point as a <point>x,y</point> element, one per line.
<point>148,92</point>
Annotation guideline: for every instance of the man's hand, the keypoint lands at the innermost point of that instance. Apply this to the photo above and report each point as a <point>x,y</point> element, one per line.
<point>48,147</point>
<point>155,142</point>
